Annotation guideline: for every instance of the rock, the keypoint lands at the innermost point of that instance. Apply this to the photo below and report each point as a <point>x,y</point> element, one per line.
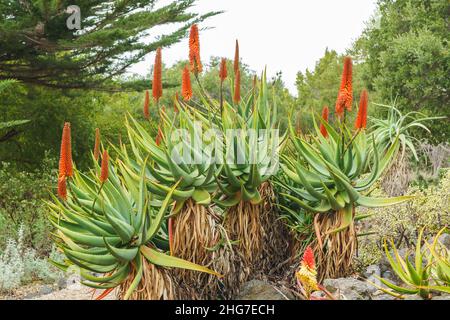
<point>319,295</point>
<point>384,296</point>
<point>31,296</point>
<point>444,239</point>
<point>45,290</point>
<point>372,272</point>
<point>62,283</point>
<point>389,275</point>
<point>444,296</point>
<point>261,290</point>
<point>412,297</point>
<point>350,288</point>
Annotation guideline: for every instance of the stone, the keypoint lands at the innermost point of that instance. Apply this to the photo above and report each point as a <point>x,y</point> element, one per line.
<point>372,272</point>
<point>444,296</point>
<point>319,295</point>
<point>350,288</point>
<point>389,275</point>
<point>444,239</point>
<point>384,296</point>
<point>62,283</point>
<point>412,297</point>
<point>262,290</point>
<point>45,290</point>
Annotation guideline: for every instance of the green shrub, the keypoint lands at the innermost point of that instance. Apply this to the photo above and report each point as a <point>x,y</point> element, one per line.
<point>21,195</point>
<point>402,223</point>
<point>20,265</point>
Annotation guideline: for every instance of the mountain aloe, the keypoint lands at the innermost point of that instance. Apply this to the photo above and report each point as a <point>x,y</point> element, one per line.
<point>110,225</point>
<point>180,158</point>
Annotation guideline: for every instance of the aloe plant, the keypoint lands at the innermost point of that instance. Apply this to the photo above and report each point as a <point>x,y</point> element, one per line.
<point>429,272</point>
<point>192,222</point>
<point>329,178</point>
<point>118,229</point>
<point>399,125</point>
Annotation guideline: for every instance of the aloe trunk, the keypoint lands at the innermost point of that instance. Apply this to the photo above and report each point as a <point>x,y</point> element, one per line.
<point>195,234</point>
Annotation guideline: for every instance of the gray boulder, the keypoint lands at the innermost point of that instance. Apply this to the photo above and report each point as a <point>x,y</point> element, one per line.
<point>350,288</point>
<point>262,290</point>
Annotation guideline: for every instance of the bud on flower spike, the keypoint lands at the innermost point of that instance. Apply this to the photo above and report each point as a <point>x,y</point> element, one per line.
<point>223,73</point>
<point>325,113</point>
<point>237,87</point>
<point>62,187</point>
<point>186,87</point>
<point>236,58</point>
<point>361,118</point>
<point>157,76</point>
<point>104,168</point>
<point>194,50</point>
<point>65,157</point>
<point>345,95</point>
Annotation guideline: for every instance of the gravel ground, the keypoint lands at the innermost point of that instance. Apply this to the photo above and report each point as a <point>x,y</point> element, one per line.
<point>75,292</point>
<point>45,292</point>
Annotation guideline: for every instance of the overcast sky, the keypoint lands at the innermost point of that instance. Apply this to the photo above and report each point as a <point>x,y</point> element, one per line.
<point>285,35</point>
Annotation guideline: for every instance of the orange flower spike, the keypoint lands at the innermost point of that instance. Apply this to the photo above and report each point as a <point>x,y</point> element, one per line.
<point>104,168</point>
<point>308,258</point>
<point>325,113</point>
<point>159,137</point>
<point>186,87</point>
<point>146,105</point>
<point>62,187</point>
<point>97,144</point>
<point>365,105</point>
<point>194,50</point>
<point>237,87</point>
<point>65,158</point>
<point>223,73</point>
<point>345,95</point>
<point>361,118</point>
<point>157,76</point>
<point>236,58</point>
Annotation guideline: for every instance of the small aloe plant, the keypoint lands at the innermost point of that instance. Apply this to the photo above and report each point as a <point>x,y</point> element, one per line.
<point>429,272</point>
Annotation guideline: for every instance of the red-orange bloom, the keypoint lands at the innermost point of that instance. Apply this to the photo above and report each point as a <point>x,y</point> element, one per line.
<point>157,76</point>
<point>104,168</point>
<point>345,95</point>
<point>237,87</point>
<point>194,50</point>
<point>62,187</point>
<point>146,105</point>
<point>325,113</point>
<point>308,258</point>
<point>159,136</point>
<point>97,144</point>
<point>223,73</point>
<point>186,87</point>
<point>236,57</point>
<point>65,157</point>
<point>361,118</point>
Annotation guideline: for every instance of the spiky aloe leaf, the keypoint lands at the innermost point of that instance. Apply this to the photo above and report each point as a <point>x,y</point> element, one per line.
<point>163,260</point>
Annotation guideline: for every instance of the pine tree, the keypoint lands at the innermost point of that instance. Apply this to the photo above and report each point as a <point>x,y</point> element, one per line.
<point>37,47</point>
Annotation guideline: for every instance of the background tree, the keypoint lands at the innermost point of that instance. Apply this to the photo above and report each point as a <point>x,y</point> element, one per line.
<point>406,58</point>
<point>36,46</point>
<point>319,87</point>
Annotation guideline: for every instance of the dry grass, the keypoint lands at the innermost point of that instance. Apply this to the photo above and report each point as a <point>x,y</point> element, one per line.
<point>334,251</point>
<point>195,233</point>
<point>156,284</point>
